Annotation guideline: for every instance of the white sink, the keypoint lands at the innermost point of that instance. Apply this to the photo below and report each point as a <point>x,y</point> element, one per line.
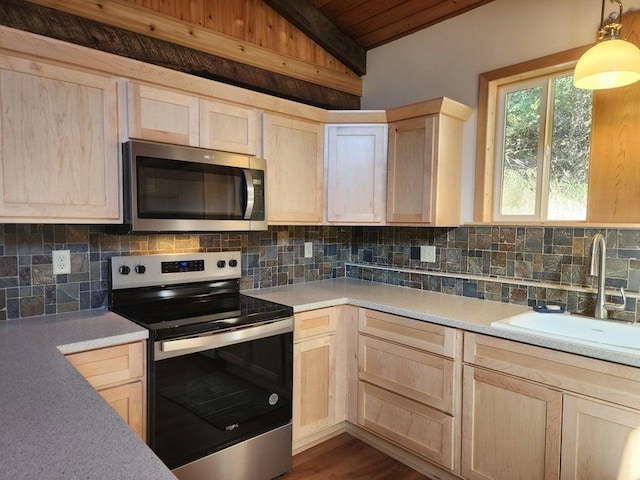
<point>607,334</point>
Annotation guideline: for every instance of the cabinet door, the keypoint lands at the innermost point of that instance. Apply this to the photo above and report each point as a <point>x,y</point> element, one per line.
<point>127,400</point>
<point>163,115</point>
<point>228,127</point>
<point>314,385</point>
<point>510,429</point>
<point>593,438</point>
<point>293,151</point>
<point>59,144</point>
<point>356,160</point>
<point>411,170</point>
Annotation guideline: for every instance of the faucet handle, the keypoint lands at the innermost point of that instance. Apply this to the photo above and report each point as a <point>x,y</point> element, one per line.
<point>617,306</point>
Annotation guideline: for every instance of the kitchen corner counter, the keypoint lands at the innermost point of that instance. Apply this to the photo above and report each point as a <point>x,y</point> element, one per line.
<point>469,314</point>
<point>54,424</point>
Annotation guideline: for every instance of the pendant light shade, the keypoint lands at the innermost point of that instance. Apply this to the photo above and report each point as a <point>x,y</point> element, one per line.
<point>611,62</point>
<point>608,64</point>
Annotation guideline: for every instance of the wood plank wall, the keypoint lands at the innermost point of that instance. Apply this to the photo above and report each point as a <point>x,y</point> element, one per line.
<point>246,32</point>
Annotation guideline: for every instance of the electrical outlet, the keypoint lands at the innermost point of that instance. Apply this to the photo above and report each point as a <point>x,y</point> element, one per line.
<point>308,249</point>
<point>427,253</point>
<point>61,262</point>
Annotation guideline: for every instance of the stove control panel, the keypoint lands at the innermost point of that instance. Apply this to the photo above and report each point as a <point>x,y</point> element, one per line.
<point>151,270</point>
<point>184,266</point>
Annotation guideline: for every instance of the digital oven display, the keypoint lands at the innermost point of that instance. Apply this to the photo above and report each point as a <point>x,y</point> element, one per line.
<point>183,266</point>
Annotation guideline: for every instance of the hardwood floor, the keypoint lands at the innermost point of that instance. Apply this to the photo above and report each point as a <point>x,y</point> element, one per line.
<point>345,458</point>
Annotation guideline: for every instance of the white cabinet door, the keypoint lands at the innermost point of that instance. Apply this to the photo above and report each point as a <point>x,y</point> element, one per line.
<point>356,162</point>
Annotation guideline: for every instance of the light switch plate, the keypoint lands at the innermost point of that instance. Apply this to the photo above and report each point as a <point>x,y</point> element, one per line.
<point>427,253</point>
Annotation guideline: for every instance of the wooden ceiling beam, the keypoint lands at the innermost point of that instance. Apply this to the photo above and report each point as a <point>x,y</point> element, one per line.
<point>316,26</point>
<point>78,30</point>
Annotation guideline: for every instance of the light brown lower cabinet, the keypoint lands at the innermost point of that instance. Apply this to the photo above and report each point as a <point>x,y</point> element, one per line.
<point>117,373</point>
<point>409,385</point>
<point>512,411</point>
<point>319,374</point>
<point>593,438</point>
<point>510,429</point>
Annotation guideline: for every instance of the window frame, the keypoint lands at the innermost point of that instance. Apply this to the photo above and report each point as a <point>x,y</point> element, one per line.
<point>489,82</point>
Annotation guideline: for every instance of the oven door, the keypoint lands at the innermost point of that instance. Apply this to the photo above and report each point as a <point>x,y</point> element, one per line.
<point>210,392</point>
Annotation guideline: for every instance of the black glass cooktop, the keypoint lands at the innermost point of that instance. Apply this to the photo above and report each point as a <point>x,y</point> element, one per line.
<point>170,312</point>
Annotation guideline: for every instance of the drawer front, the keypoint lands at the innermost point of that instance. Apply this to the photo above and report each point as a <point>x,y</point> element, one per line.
<point>413,333</point>
<point>596,378</point>
<point>314,322</point>
<point>423,430</point>
<point>412,373</point>
<point>110,365</point>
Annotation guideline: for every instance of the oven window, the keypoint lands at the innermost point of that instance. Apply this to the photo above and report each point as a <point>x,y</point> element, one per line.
<point>170,189</point>
<point>203,402</point>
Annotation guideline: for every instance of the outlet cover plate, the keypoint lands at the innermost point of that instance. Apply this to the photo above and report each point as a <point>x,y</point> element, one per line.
<point>61,262</point>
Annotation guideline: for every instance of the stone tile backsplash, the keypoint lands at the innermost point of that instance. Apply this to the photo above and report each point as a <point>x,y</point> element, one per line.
<point>28,286</point>
<point>521,265</point>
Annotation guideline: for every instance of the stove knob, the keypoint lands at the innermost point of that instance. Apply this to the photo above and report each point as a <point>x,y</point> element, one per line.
<point>233,263</point>
<point>124,270</point>
<point>221,263</point>
<point>140,269</point>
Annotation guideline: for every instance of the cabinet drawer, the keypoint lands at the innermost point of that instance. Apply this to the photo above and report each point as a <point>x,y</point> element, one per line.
<point>413,333</point>
<point>413,426</point>
<point>595,378</point>
<point>420,376</point>
<point>314,322</point>
<point>106,366</point>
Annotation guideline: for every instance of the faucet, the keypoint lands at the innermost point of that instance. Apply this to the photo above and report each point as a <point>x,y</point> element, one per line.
<point>599,248</point>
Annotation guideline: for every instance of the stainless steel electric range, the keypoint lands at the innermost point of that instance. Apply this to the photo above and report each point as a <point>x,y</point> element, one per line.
<point>219,364</point>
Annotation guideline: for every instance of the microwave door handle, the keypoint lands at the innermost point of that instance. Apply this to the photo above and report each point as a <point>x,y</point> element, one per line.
<point>251,194</point>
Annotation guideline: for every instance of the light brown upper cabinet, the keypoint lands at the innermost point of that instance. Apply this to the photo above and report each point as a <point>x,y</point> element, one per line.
<point>356,172</point>
<point>59,144</point>
<point>293,150</point>
<point>424,163</point>
<point>163,115</point>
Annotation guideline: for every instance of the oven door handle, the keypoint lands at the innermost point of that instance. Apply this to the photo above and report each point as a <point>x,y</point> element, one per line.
<point>183,346</point>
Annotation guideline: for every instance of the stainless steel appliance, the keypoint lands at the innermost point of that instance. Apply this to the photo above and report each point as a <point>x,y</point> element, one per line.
<point>219,365</point>
<point>171,188</point>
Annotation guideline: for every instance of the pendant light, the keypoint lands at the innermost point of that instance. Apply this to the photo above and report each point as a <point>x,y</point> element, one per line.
<point>611,62</point>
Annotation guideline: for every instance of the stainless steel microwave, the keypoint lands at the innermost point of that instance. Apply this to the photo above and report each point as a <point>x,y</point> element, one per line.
<point>171,188</point>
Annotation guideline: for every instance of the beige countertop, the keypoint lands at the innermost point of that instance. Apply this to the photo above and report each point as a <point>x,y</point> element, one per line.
<point>469,314</point>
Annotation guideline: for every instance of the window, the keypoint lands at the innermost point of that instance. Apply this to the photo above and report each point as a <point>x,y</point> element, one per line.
<point>542,149</point>
<point>532,135</point>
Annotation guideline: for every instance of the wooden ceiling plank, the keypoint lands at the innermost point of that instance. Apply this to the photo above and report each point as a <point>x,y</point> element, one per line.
<point>399,11</point>
<point>417,22</point>
<point>335,8</point>
<point>320,29</point>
